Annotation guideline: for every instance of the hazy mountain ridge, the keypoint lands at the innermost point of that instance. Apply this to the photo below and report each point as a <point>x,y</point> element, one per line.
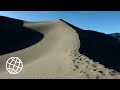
<point>117,35</point>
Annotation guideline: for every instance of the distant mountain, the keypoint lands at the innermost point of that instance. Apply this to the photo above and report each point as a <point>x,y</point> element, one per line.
<point>117,35</point>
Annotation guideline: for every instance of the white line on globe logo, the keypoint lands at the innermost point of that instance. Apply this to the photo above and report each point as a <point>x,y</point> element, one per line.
<point>14,65</point>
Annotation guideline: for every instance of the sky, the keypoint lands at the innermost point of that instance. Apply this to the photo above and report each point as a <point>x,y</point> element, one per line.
<point>101,21</point>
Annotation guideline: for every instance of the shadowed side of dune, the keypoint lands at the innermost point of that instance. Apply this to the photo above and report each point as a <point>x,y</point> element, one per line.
<point>99,47</point>
<point>14,36</point>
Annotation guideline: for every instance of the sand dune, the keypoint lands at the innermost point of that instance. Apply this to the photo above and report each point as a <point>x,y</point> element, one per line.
<point>56,50</point>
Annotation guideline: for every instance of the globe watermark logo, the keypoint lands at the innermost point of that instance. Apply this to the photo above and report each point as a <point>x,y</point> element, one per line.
<point>14,65</point>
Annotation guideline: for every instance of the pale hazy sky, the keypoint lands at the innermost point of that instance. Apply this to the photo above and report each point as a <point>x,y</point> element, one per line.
<point>101,21</point>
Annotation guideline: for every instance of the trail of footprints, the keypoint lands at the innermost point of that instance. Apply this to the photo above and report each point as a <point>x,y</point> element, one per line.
<point>89,69</point>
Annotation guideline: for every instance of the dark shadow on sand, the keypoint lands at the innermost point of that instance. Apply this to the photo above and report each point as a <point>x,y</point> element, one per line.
<point>99,47</point>
<point>14,36</point>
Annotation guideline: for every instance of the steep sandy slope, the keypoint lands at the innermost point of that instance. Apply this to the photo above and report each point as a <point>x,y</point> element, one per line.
<point>47,58</point>
<point>99,47</point>
<point>103,51</point>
